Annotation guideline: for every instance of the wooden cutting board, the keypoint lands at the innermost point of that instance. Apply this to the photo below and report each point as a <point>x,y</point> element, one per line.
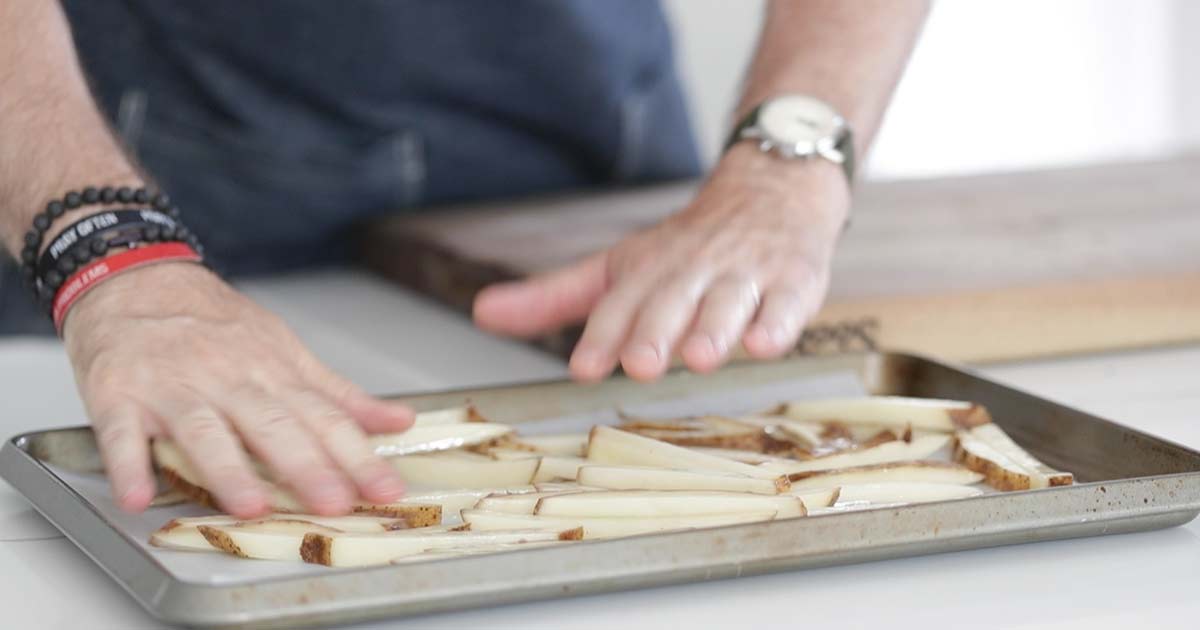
<point>969,268</point>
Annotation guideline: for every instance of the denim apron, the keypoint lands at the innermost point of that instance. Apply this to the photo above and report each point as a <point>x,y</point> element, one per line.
<point>279,125</point>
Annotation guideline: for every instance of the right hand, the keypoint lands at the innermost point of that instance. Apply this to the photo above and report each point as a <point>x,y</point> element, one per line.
<point>171,350</point>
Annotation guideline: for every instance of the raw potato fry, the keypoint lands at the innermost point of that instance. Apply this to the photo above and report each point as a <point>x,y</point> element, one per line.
<point>1004,464</point>
<point>452,415</point>
<point>259,543</point>
<point>568,444</point>
<point>458,469</point>
<point>184,533</point>
<point>645,478</point>
<point>890,451</point>
<point>745,457</point>
<point>505,452</point>
<point>356,550</point>
<point>925,471</point>
<point>666,503</point>
<point>710,431</point>
<point>606,527</point>
<point>562,486</point>
<point>555,467</point>
<point>892,411</point>
<point>513,503</point>
<point>453,502</point>
<point>437,437</point>
<point>611,446</point>
<point>170,497</point>
<point>888,493</point>
<point>179,473</point>
<point>817,498</point>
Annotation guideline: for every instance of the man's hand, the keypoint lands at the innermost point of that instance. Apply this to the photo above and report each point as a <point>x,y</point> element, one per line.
<point>747,261</point>
<point>173,351</point>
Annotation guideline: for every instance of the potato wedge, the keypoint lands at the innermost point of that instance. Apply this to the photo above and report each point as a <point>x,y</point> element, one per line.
<point>665,503</point>
<point>921,471</point>
<point>568,444</point>
<point>814,498</point>
<point>710,431</point>
<point>514,503</point>
<point>437,437</point>
<point>458,469</point>
<point>745,457</point>
<point>646,478</point>
<point>989,450</point>
<point>891,411</point>
<point>612,446</point>
<point>356,550</point>
<point>889,451</point>
<point>558,468</point>
<point>606,527</point>
<point>184,533</point>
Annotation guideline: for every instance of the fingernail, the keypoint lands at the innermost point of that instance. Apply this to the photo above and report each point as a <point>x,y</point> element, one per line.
<point>779,336</point>
<point>246,501</point>
<point>643,353</point>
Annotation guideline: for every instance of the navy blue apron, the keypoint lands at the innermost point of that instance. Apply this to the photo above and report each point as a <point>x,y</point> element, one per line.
<point>278,125</point>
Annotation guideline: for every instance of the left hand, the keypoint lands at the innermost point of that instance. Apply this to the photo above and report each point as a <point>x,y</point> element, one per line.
<point>748,260</point>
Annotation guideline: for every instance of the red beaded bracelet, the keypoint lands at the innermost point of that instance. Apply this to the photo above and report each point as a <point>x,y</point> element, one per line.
<point>98,271</point>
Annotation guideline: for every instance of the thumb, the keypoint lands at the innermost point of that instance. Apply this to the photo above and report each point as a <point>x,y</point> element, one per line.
<point>545,302</point>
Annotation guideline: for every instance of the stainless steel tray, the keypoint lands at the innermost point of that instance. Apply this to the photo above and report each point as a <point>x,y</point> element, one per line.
<point>1128,481</point>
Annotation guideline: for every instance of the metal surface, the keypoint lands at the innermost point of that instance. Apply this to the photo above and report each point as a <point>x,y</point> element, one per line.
<point>1129,482</point>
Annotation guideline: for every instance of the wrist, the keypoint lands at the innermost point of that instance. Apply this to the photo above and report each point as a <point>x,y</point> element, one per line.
<point>817,184</point>
<point>167,289</point>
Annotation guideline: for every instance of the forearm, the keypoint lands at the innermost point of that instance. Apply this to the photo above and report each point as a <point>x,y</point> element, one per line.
<point>849,54</point>
<point>54,137</point>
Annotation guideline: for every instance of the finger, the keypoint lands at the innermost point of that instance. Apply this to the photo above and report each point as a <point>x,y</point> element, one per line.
<point>274,433</point>
<point>346,444</point>
<point>372,414</point>
<point>595,356</point>
<point>727,307</point>
<point>122,439</point>
<point>779,322</point>
<point>660,323</point>
<point>542,303</point>
<point>216,454</point>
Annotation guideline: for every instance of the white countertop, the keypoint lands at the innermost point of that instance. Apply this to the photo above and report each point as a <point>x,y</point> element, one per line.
<point>390,341</point>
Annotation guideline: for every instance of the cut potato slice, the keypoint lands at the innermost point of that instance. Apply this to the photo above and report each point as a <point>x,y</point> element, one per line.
<point>356,550</point>
<point>1005,465</point>
<point>169,497</point>
<point>745,457</point>
<point>514,503</point>
<point>901,492</point>
<point>507,452</point>
<point>437,437</point>
<point>278,541</point>
<point>817,497</point>
<point>606,527</point>
<point>665,503</point>
<point>924,471</point>
<point>890,451</point>
<point>562,486</point>
<point>892,411</point>
<point>451,415</point>
<point>458,469</point>
<point>612,446</point>
<point>453,502</point>
<point>711,431</point>
<point>558,467</point>
<point>184,533</point>
<point>646,478</point>
<point>569,444</point>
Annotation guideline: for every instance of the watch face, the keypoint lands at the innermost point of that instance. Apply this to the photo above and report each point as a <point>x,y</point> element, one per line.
<point>799,123</point>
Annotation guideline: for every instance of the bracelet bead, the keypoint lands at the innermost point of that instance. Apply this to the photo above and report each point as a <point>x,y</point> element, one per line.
<point>33,238</point>
<point>161,202</point>
<point>108,194</point>
<point>41,222</point>
<point>72,200</point>
<point>99,248</point>
<point>125,194</point>
<point>53,278</point>
<point>91,195</point>
<point>55,209</point>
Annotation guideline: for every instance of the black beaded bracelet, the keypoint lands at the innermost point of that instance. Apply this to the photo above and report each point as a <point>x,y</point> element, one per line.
<point>97,235</point>
<point>89,196</point>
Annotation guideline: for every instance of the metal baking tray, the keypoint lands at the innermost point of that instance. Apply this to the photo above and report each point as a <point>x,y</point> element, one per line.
<point>1127,481</point>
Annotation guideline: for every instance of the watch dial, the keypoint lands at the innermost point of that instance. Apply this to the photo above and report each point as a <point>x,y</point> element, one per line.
<point>798,121</point>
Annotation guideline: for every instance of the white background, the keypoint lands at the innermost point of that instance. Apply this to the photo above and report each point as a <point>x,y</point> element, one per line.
<point>993,85</point>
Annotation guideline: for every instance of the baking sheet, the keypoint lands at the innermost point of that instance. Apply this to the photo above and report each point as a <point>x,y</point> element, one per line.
<point>1129,481</point>
<point>220,569</point>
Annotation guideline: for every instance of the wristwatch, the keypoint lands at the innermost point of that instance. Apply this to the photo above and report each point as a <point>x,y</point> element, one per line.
<point>795,126</point>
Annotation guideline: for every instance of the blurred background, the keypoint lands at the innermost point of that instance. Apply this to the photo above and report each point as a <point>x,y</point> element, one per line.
<point>994,86</point>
